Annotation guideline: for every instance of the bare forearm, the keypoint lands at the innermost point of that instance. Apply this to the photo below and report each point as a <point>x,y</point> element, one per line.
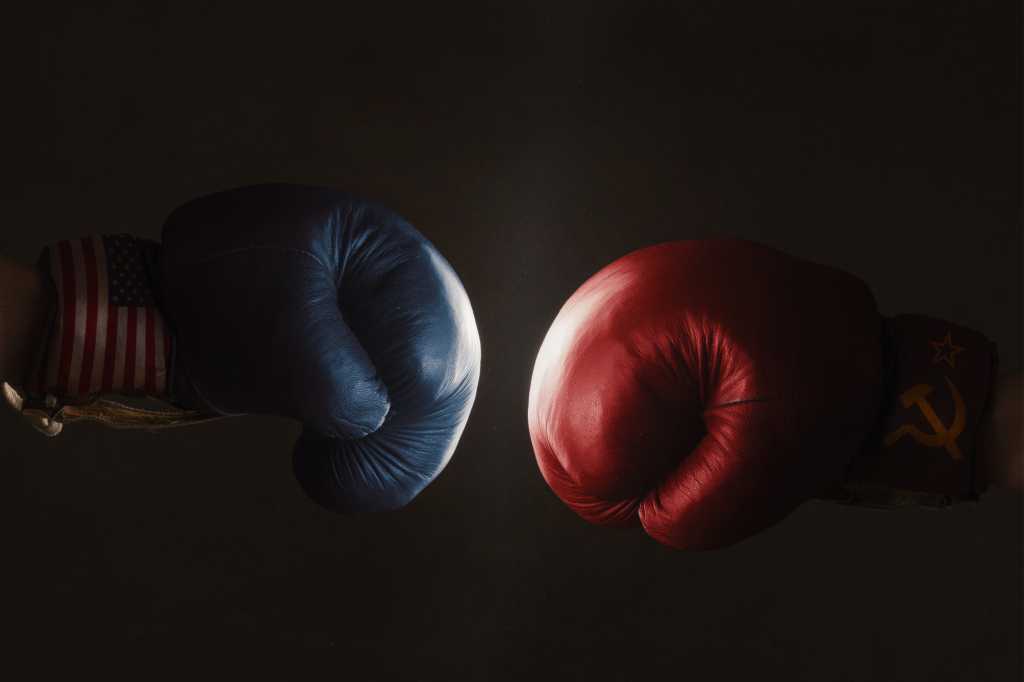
<point>25,300</point>
<point>1000,447</point>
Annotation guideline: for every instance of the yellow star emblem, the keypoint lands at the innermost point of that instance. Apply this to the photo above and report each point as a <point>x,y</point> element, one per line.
<point>946,351</point>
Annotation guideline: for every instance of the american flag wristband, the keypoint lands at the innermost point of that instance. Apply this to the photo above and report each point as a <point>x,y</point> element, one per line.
<point>108,334</point>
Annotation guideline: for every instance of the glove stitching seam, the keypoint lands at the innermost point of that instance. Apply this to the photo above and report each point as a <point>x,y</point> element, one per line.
<point>233,252</point>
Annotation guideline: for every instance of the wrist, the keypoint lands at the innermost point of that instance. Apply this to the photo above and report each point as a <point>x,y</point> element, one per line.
<point>27,300</point>
<point>1000,453</point>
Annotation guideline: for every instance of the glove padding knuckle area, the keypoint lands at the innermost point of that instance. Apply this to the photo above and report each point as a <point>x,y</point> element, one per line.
<point>691,387</point>
<point>335,312</point>
<point>408,308</point>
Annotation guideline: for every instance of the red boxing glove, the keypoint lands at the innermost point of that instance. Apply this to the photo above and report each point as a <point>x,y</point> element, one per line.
<point>705,389</point>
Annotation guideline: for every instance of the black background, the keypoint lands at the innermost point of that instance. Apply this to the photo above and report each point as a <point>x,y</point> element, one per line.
<point>533,143</point>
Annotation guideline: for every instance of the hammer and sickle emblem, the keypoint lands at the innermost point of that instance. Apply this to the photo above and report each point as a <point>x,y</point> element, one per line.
<point>942,436</point>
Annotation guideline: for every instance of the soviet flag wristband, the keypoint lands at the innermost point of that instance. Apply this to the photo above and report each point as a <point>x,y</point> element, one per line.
<point>938,384</point>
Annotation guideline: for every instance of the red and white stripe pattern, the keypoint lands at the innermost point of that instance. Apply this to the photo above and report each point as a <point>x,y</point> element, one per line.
<point>108,335</point>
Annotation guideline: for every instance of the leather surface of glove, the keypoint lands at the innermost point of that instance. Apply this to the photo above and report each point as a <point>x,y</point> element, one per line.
<point>704,389</point>
<point>289,300</point>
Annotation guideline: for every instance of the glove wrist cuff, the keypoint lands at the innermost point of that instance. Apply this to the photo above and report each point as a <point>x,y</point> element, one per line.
<point>107,334</point>
<point>938,379</point>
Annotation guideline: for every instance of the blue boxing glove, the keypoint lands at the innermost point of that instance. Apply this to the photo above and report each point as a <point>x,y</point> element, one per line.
<point>272,299</point>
